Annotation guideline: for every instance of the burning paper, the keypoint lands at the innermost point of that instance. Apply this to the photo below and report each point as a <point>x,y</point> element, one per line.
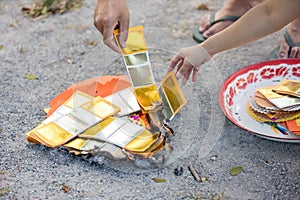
<point>120,117</point>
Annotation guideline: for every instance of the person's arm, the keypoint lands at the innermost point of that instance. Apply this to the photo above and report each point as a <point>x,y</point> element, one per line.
<point>258,22</point>
<point>261,20</point>
<point>107,16</point>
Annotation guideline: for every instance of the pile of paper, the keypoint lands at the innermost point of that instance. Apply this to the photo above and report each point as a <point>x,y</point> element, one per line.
<point>279,103</point>
<point>116,116</point>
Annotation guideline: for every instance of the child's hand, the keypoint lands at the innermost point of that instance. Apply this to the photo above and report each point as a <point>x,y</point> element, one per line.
<point>189,60</point>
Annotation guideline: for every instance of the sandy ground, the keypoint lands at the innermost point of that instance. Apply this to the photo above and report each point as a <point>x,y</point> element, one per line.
<point>60,50</point>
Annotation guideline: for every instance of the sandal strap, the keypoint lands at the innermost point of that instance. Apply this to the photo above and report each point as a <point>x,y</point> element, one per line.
<point>225,18</point>
<point>290,41</point>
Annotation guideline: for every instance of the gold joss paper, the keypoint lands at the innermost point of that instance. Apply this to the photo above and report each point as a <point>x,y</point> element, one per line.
<point>53,135</point>
<point>136,59</point>
<point>135,42</point>
<point>288,87</point>
<point>67,123</point>
<point>172,95</point>
<point>78,143</point>
<point>141,75</point>
<point>126,124</point>
<point>101,107</point>
<point>281,101</point>
<point>78,99</point>
<point>142,142</point>
<point>147,95</point>
<point>277,104</point>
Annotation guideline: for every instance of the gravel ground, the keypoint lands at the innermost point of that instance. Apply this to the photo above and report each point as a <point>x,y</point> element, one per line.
<point>61,51</point>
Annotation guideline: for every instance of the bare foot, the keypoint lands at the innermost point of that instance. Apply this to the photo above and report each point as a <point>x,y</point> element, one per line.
<point>294,32</point>
<point>230,8</point>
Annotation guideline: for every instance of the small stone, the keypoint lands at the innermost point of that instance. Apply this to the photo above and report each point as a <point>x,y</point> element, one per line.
<point>214,158</point>
<point>178,171</point>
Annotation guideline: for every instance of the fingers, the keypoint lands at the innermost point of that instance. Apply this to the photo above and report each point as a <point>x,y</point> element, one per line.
<point>98,24</point>
<point>106,27</point>
<point>124,25</point>
<point>195,74</point>
<point>183,68</point>
<point>184,72</point>
<point>187,62</point>
<point>176,61</point>
<point>108,38</point>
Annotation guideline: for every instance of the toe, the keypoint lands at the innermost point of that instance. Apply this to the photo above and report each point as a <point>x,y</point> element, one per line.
<point>283,52</point>
<point>216,28</point>
<point>206,34</point>
<point>204,23</point>
<point>295,52</point>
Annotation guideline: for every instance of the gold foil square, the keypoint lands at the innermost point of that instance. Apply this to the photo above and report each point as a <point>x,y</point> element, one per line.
<point>142,141</point>
<point>101,107</point>
<point>167,109</point>
<point>136,59</point>
<point>135,42</point>
<point>53,135</point>
<point>280,101</point>
<point>141,76</point>
<point>77,99</point>
<point>288,87</point>
<point>147,95</point>
<point>172,96</point>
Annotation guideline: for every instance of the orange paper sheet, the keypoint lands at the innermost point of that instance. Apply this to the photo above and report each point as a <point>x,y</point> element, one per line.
<point>98,86</point>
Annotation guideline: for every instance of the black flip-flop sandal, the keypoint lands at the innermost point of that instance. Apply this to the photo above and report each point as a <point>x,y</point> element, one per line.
<point>199,37</point>
<point>289,41</point>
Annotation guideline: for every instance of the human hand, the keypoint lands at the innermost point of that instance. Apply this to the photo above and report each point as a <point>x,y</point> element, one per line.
<point>107,16</point>
<point>188,60</point>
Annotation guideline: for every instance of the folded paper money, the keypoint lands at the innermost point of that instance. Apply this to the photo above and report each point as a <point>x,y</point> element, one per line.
<point>278,104</point>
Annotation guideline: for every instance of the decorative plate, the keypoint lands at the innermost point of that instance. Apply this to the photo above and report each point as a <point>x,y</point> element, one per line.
<point>239,87</point>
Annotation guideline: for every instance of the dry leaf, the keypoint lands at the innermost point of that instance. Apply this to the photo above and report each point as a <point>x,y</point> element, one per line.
<point>22,49</point>
<point>90,42</point>
<point>236,170</point>
<point>65,188</point>
<point>13,24</point>
<point>2,46</point>
<point>31,76</point>
<point>159,180</point>
<point>3,191</point>
<point>81,27</point>
<point>202,6</point>
<point>47,7</point>
<point>69,26</point>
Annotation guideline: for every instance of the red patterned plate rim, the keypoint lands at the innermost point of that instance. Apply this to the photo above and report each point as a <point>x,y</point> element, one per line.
<point>241,72</point>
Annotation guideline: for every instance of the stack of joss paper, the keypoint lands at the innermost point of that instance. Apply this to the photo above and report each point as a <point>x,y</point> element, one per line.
<point>118,116</point>
<point>279,103</point>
